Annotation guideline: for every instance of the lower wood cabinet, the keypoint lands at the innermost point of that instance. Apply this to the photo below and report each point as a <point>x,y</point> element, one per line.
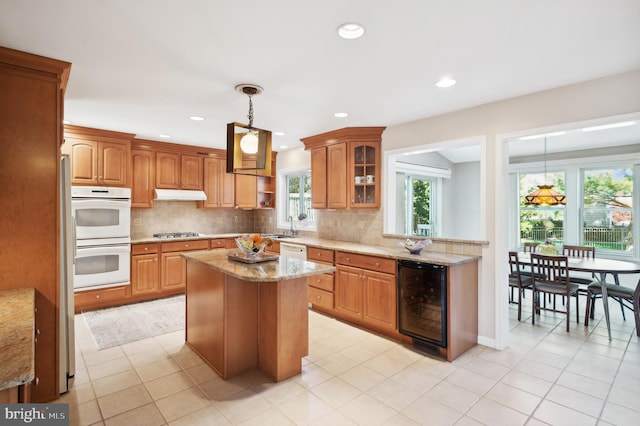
<point>173,269</point>
<point>320,287</point>
<point>145,269</point>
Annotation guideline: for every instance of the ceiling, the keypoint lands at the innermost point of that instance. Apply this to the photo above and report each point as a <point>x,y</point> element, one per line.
<point>146,66</point>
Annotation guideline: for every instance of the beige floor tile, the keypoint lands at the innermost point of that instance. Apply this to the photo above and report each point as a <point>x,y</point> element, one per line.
<point>619,415</point>
<point>386,364</point>
<point>468,421</point>
<point>416,378</point>
<point>125,400</point>
<point>556,414</point>
<point>144,345</point>
<point>511,397</point>
<point>336,392</point>
<point>548,358</point>
<point>270,417</point>
<point>359,353</point>
<point>471,381</point>
<point>115,383</point>
<point>627,398</point>
<point>527,383</point>
<point>277,393</point>
<point>539,370</point>
<point>140,359</point>
<point>368,411</point>
<point>243,406</point>
<point>182,403</point>
<point>157,369</point>
<point>334,418</point>
<point>313,375</point>
<point>583,384</point>
<point>78,394</point>
<point>100,357</point>
<point>187,359</point>
<point>168,385</point>
<point>427,408</point>
<point>575,400</point>
<point>109,368</point>
<point>201,373</point>
<point>220,390</point>
<point>487,368</point>
<point>492,413</point>
<point>147,415</point>
<point>395,394</point>
<point>305,408</point>
<point>362,377</point>
<point>317,351</point>
<point>453,396</point>
<point>207,416</point>
<point>336,363</point>
<point>81,376</point>
<point>86,413</point>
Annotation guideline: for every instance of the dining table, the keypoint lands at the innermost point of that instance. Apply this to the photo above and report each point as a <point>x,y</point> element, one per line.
<point>600,268</point>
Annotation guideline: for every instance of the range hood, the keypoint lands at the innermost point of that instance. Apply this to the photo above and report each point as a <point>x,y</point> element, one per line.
<point>179,195</point>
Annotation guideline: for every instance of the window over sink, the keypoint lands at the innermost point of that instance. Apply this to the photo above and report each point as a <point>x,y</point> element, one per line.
<point>294,200</point>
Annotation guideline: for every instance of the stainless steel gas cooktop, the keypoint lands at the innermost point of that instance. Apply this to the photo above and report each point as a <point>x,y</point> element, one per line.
<point>176,235</point>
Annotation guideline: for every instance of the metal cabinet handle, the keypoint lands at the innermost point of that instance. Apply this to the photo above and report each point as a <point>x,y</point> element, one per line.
<point>97,296</point>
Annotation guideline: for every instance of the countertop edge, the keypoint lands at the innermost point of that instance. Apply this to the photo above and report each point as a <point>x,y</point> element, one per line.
<point>17,337</point>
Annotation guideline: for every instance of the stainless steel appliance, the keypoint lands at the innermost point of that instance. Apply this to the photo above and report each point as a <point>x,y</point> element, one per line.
<point>422,302</point>
<point>103,219</point>
<point>66,345</point>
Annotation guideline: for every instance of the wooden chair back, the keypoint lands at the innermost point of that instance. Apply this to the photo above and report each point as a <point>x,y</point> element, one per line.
<point>551,271</point>
<point>579,251</point>
<point>530,247</point>
<point>514,267</point>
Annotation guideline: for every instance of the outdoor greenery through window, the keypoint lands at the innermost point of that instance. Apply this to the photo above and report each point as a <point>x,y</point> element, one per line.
<point>541,223</point>
<point>298,202</point>
<point>420,199</point>
<point>607,208</point>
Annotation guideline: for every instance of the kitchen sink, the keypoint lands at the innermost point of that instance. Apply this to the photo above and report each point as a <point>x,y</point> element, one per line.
<point>277,236</point>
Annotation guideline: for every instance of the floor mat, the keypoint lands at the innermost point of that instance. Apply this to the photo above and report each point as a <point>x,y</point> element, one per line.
<point>129,323</point>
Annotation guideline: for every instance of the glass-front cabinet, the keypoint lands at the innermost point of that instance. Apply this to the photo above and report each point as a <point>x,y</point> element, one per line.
<point>365,182</point>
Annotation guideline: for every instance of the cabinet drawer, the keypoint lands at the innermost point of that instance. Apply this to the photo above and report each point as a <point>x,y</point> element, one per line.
<point>185,245</point>
<point>218,243</point>
<point>320,297</point>
<point>323,281</point>
<point>320,255</point>
<point>274,248</point>
<point>371,263</point>
<point>149,248</point>
<point>93,296</point>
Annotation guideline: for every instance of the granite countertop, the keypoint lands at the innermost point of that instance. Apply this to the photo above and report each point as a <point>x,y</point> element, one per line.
<point>277,270</point>
<point>395,252</point>
<point>17,337</point>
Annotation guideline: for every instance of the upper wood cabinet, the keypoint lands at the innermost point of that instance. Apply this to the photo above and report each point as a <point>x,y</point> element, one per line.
<point>218,184</point>
<point>191,172</point>
<point>345,168</point>
<point>144,165</point>
<point>179,171</point>
<point>256,191</point>
<point>98,157</point>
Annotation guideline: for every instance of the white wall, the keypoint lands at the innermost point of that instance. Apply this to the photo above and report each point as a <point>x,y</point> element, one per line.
<point>605,97</point>
<point>462,206</point>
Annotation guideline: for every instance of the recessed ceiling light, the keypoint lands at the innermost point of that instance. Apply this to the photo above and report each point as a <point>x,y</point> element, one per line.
<point>340,114</point>
<point>66,122</point>
<point>350,31</point>
<point>284,146</point>
<point>196,118</point>
<point>446,82</point>
<point>278,133</point>
<point>162,135</point>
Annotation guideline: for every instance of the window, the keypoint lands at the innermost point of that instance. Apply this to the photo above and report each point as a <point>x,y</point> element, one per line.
<point>420,202</point>
<point>606,211</point>
<point>541,223</point>
<point>294,195</point>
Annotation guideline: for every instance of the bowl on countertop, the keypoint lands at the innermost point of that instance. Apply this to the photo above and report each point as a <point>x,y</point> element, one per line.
<point>414,247</point>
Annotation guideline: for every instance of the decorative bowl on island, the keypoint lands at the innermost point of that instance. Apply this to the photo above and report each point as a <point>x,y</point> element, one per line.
<point>253,244</point>
<point>414,247</point>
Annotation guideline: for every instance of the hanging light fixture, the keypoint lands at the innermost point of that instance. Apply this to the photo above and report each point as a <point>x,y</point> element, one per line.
<point>545,195</point>
<point>248,148</point>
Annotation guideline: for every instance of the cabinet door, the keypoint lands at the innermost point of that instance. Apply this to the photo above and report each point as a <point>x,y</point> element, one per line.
<point>380,299</point>
<point>336,176</point>
<point>174,271</point>
<point>84,162</point>
<point>113,164</point>
<point>191,172</point>
<point>211,182</point>
<point>167,170</point>
<point>144,274</point>
<point>143,164</point>
<point>364,175</point>
<point>227,185</point>
<point>348,292</point>
<point>319,178</point>
<point>246,190</point>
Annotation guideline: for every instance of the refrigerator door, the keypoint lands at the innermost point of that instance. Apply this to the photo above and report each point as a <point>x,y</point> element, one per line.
<point>66,345</point>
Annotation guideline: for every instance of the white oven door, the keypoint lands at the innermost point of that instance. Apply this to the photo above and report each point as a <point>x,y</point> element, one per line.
<point>101,218</point>
<point>102,266</point>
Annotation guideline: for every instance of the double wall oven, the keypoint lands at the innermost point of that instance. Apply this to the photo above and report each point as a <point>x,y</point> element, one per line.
<point>103,232</point>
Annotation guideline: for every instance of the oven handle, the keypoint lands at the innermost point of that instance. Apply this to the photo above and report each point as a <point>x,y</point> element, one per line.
<point>106,249</point>
<point>99,203</point>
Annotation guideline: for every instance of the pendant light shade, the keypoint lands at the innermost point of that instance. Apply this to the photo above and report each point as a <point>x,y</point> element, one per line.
<point>545,195</point>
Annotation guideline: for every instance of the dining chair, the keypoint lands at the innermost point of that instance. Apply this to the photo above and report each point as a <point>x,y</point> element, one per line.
<point>517,281</point>
<point>551,276</point>
<point>580,251</point>
<point>627,297</point>
<point>530,247</point>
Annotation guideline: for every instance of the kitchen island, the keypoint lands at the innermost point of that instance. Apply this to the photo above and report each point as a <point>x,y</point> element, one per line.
<point>241,316</point>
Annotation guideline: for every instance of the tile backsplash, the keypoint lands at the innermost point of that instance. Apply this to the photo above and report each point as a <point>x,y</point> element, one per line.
<point>355,226</point>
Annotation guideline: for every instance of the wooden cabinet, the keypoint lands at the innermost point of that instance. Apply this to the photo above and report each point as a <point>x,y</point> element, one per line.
<point>143,164</point>
<point>320,288</point>
<point>179,171</point>
<point>345,168</point>
<point>31,106</point>
<point>365,291</point>
<point>267,187</point>
<point>98,157</point>
<point>145,269</point>
<point>191,172</point>
<point>254,192</point>
<point>173,272</point>
<point>218,184</point>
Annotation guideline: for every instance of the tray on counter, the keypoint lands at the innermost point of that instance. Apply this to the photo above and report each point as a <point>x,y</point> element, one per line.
<point>253,259</point>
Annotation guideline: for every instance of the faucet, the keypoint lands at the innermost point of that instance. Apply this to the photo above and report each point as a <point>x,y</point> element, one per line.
<point>293,229</point>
